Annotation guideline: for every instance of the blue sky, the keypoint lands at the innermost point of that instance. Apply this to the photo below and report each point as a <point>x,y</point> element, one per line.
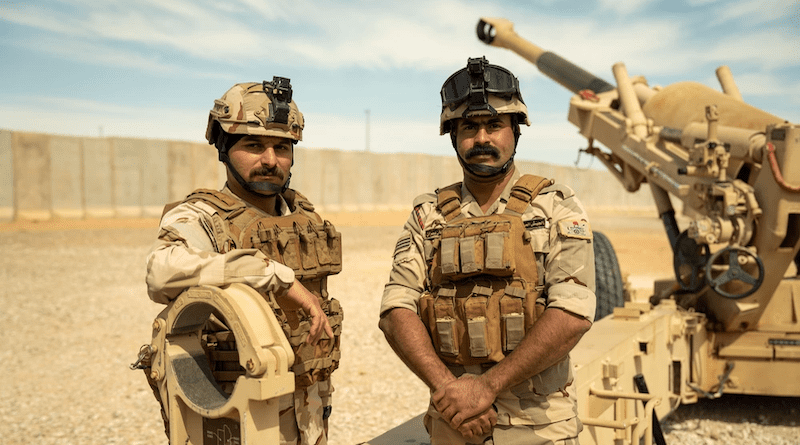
<point>152,68</point>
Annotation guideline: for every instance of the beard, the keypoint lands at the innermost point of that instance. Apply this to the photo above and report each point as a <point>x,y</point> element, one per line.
<point>482,150</point>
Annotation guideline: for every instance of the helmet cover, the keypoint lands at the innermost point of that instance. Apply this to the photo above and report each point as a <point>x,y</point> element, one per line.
<point>263,109</point>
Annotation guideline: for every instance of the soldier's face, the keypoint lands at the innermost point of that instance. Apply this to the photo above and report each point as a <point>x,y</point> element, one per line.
<point>262,158</point>
<point>487,140</point>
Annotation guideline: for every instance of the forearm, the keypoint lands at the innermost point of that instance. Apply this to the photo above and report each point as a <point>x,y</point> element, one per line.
<point>552,337</point>
<point>172,268</point>
<point>409,339</point>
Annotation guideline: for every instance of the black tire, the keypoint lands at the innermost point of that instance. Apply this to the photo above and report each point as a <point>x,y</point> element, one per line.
<point>610,289</point>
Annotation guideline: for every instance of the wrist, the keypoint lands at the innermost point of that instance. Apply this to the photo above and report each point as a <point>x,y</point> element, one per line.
<point>489,384</point>
<point>443,382</point>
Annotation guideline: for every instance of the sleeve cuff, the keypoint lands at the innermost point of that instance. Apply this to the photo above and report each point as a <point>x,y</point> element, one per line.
<point>571,297</point>
<point>284,275</point>
<point>396,296</point>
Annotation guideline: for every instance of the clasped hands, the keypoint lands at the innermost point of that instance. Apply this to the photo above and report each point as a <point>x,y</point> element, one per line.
<point>466,404</point>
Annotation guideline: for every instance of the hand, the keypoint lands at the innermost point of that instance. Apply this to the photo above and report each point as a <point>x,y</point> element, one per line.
<point>463,398</point>
<point>479,427</point>
<point>300,297</point>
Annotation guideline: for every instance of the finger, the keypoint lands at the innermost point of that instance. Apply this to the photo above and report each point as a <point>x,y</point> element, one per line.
<point>437,398</point>
<point>456,420</point>
<point>315,331</point>
<point>471,430</point>
<point>448,414</point>
<point>467,433</point>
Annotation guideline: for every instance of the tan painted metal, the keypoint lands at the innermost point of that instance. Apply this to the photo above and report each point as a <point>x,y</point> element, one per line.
<point>731,165</point>
<point>200,410</point>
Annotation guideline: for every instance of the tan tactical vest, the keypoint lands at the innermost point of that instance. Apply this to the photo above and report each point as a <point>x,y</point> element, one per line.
<point>302,241</point>
<point>483,278</point>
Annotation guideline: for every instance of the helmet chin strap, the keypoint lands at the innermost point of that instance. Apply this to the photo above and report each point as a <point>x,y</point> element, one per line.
<point>486,173</point>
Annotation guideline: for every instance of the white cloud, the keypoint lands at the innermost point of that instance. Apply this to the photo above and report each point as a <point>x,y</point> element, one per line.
<point>755,11</point>
<point>765,48</point>
<point>67,116</point>
<point>319,34</point>
<point>623,7</point>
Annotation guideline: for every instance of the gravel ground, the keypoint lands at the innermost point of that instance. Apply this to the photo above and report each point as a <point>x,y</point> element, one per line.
<point>75,312</point>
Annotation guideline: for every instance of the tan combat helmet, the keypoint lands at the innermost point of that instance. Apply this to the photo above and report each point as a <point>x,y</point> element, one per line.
<point>262,109</point>
<point>482,89</point>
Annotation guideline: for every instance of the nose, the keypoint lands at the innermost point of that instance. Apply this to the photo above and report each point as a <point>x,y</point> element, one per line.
<point>268,158</point>
<point>482,135</point>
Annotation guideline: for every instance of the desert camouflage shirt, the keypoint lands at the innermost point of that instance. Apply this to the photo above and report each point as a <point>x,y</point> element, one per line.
<point>560,254</point>
<point>185,255</point>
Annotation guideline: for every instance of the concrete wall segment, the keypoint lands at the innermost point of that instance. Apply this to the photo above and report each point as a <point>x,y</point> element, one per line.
<point>155,178</point>
<point>98,192</point>
<point>66,173</point>
<point>330,180</point>
<point>205,162</point>
<point>66,177</point>
<point>128,164</point>
<point>180,163</point>
<point>32,175</point>
<point>6,177</point>
<point>307,175</point>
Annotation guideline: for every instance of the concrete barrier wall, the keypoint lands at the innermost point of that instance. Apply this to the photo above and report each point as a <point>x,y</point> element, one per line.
<point>48,177</point>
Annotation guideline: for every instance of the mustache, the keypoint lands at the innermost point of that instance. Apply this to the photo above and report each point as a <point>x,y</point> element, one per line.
<point>266,171</point>
<point>482,149</point>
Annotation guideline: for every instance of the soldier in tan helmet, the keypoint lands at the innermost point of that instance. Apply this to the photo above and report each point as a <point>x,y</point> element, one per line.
<point>239,235</point>
<point>493,281</point>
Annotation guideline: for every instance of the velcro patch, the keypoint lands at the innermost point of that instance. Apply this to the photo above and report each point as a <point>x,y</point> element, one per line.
<point>403,244</point>
<point>434,233</point>
<point>574,228</point>
<point>535,223</point>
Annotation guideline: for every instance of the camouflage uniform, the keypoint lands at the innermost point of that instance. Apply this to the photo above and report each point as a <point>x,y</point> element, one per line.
<point>186,255</point>
<point>543,408</point>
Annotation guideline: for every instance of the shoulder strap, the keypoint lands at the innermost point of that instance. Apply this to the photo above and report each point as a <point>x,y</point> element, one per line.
<point>216,199</point>
<point>299,203</point>
<point>523,192</point>
<point>449,201</point>
<point>169,207</point>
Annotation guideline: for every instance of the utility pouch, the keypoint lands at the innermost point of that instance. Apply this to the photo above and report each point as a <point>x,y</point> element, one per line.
<point>476,312</point>
<point>314,362</point>
<point>465,321</point>
<point>484,245</point>
<point>426,312</point>
<point>312,250</point>
<point>307,246</point>
<point>512,317</point>
<point>446,329</point>
<point>288,248</point>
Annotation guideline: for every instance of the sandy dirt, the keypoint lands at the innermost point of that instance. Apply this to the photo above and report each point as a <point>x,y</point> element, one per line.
<point>75,312</point>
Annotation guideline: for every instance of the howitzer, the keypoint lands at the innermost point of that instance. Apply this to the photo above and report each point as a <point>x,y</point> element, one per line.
<point>731,316</point>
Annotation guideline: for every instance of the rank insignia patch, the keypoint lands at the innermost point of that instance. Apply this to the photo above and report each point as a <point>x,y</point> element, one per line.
<point>573,228</point>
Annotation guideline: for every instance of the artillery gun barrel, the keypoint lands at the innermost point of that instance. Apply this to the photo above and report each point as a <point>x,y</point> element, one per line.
<point>500,32</point>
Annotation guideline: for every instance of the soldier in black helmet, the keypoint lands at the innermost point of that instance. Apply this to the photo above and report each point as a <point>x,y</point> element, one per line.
<point>240,234</point>
<point>493,281</point>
